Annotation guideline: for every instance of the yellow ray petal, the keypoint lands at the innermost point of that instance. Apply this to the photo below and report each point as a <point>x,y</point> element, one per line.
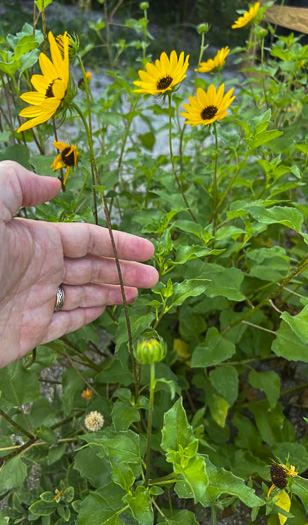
<point>47,67</point>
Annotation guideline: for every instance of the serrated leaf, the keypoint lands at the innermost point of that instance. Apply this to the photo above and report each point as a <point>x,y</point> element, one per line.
<point>298,323</point>
<point>18,385</point>
<point>265,136</point>
<point>141,506</point>
<point>12,474</point>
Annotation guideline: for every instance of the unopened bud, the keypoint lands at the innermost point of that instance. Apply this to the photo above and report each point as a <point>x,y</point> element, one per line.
<point>144,6</point>
<point>203,28</point>
<point>150,351</point>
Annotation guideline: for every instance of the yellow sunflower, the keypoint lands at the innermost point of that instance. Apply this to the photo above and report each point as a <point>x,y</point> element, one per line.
<point>50,87</point>
<point>218,61</point>
<point>66,159</point>
<point>207,107</point>
<point>246,17</point>
<point>164,75</point>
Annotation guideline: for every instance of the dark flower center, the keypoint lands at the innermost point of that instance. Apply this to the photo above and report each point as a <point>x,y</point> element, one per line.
<point>209,112</point>
<point>278,475</point>
<point>69,160</point>
<point>49,92</point>
<point>164,82</point>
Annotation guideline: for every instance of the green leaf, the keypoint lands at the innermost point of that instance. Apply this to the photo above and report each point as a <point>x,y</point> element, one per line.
<point>224,281</point>
<point>102,506</point>
<point>300,488</point>
<point>287,216</point>
<point>212,351</point>
<point>298,323</point>
<point>148,140</point>
<point>296,453</point>
<point>178,517</point>
<point>265,136</point>
<point>195,476</point>
<point>18,385</point>
<point>269,382</point>
<point>288,345</point>
<point>123,415</point>
<point>25,44</point>
<point>188,288</point>
<point>121,446</point>
<point>122,475</point>
<point>19,153</point>
<point>43,508</point>
<point>12,474</point>
<point>90,466</point>
<point>141,506</point>
<point>38,4</point>
<point>176,430</point>
<point>225,380</point>
<point>223,482</point>
<point>218,406</point>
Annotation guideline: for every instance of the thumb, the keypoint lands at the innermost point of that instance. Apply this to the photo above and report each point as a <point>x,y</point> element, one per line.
<point>20,187</point>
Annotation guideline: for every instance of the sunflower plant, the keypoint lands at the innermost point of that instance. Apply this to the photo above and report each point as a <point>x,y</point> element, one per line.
<point>187,406</point>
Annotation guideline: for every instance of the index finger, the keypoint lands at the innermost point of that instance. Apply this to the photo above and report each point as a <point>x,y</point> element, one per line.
<point>80,239</point>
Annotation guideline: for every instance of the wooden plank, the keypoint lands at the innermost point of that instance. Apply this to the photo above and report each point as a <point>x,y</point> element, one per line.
<point>295,18</point>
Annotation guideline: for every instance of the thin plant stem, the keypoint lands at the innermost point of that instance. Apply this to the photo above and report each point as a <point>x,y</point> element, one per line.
<point>263,73</point>
<point>215,181</point>
<point>16,425</point>
<point>56,139</point>
<point>10,119</point>
<point>150,421</point>
<point>44,27</point>
<point>202,48</point>
<point>86,84</point>
<point>107,22</point>
<point>96,178</point>
<point>286,281</point>
<point>173,163</point>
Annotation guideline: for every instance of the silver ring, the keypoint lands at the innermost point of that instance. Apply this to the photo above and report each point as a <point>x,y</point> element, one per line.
<point>59,299</point>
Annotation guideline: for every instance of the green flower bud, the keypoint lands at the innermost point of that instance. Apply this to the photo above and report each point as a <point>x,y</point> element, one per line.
<point>144,6</point>
<point>203,28</point>
<point>260,32</point>
<point>150,351</point>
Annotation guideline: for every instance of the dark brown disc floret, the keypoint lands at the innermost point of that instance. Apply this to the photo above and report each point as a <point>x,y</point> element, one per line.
<point>164,82</point>
<point>68,158</point>
<point>209,112</point>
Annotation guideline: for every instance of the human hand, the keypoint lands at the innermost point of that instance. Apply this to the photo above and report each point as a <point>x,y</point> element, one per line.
<point>37,257</point>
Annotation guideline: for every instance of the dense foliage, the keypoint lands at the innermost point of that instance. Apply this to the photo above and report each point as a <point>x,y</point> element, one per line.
<point>189,414</point>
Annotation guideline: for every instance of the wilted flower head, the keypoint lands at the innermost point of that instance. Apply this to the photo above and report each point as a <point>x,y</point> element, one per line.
<point>66,159</point>
<point>165,75</point>
<point>94,421</point>
<point>280,474</point>
<point>87,394</point>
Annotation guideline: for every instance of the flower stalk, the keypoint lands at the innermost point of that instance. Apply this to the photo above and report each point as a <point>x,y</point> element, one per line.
<point>150,420</point>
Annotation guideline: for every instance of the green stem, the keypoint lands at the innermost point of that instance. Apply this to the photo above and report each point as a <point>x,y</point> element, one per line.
<point>86,85</point>
<point>96,178</point>
<point>263,73</point>
<point>172,161</point>
<point>150,420</point>
<point>215,181</point>
<point>44,27</point>
<point>201,49</point>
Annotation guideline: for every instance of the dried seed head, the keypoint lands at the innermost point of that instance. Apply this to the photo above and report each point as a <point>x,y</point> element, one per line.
<point>279,476</point>
<point>94,421</point>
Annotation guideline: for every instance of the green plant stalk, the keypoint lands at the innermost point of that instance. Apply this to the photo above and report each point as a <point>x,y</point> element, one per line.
<point>150,420</point>
<point>173,163</point>
<point>202,48</point>
<point>107,21</point>
<point>86,85</point>
<point>9,119</point>
<point>44,27</point>
<point>94,170</point>
<point>263,74</point>
<point>215,208</point>
<point>145,34</point>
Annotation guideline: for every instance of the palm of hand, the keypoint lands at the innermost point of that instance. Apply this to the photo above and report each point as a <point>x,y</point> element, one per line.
<point>31,268</point>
